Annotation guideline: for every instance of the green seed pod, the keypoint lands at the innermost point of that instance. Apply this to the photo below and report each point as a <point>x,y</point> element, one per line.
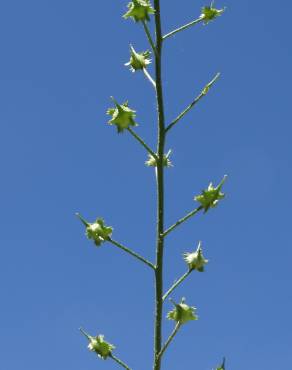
<point>210,197</point>
<point>139,10</point>
<point>122,116</point>
<point>138,60</point>
<point>182,313</point>
<point>151,161</point>
<point>209,13</point>
<point>97,231</point>
<point>98,345</point>
<point>196,260</point>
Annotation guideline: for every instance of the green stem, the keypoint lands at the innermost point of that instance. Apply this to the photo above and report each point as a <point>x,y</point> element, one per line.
<point>148,34</point>
<point>132,253</point>
<point>182,28</point>
<point>194,102</point>
<point>176,284</point>
<point>148,76</point>
<point>160,192</point>
<point>223,364</point>
<point>170,338</point>
<point>85,334</point>
<point>142,142</point>
<point>85,223</point>
<point>183,219</point>
<point>120,362</point>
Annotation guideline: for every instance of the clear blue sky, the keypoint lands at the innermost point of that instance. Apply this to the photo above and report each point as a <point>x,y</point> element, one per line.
<point>60,63</point>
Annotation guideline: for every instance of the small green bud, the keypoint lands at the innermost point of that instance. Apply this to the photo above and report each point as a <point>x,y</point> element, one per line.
<point>196,260</point>
<point>210,197</point>
<point>98,345</point>
<point>139,10</point>
<point>151,161</point>
<point>122,116</point>
<point>210,84</point>
<point>209,13</point>
<point>97,231</point>
<point>182,313</point>
<point>206,90</point>
<point>138,60</point>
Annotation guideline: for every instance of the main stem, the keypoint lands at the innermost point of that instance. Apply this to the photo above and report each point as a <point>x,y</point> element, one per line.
<point>160,192</point>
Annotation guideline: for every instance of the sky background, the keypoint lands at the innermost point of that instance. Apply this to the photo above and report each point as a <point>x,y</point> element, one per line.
<point>60,63</point>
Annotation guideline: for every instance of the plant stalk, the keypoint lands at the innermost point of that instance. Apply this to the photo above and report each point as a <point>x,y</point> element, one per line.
<point>176,284</point>
<point>193,103</point>
<point>148,34</point>
<point>182,220</point>
<point>170,339</point>
<point>160,192</point>
<point>142,142</point>
<point>118,361</point>
<point>150,79</point>
<point>182,28</point>
<point>132,253</point>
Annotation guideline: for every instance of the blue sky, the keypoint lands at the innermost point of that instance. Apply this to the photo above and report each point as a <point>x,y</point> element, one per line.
<point>60,63</point>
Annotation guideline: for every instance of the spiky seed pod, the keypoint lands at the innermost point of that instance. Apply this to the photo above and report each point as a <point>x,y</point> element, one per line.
<point>97,231</point>
<point>151,161</point>
<point>209,13</point>
<point>138,61</point>
<point>122,116</point>
<point>182,313</point>
<point>139,10</point>
<point>196,260</point>
<point>209,198</point>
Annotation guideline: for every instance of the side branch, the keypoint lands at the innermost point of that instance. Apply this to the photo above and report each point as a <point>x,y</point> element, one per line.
<point>132,253</point>
<point>120,362</point>
<point>142,142</point>
<point>169,340</point>
<point>185,218</point>
<point>194,102</point>
<point>176,284</point>
<point>148,34</point>
<point>148,76</point>
<point>182,28</point>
